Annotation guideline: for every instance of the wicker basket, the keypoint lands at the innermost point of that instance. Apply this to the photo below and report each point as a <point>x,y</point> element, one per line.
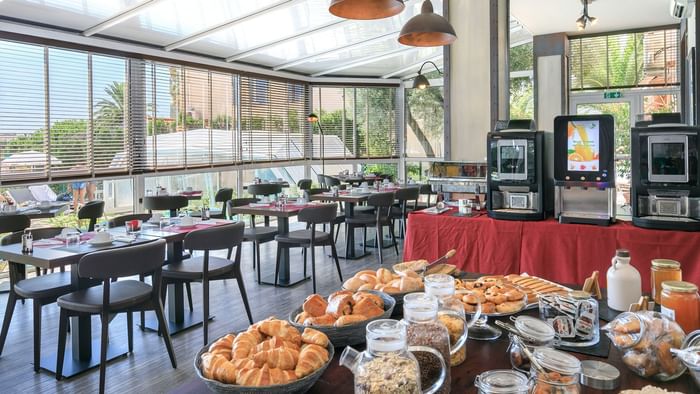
<point>298,386</point>
<point>352,334</point>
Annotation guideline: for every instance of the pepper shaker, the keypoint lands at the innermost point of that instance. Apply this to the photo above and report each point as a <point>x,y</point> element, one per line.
<point>27,242</point>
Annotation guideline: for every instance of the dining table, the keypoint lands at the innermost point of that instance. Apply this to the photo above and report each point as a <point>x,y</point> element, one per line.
<point>37,211</point>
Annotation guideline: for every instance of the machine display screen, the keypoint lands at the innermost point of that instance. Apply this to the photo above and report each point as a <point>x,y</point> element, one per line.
<point>668,158</point>
<point>512,159</point>
<point>583,146</point>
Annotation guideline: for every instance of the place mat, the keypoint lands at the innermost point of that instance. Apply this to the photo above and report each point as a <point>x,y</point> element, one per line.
<point>86,247</point>
<point>602,349</point>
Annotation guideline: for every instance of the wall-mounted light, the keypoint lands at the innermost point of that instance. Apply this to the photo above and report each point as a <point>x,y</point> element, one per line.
<point>585,19</point>
<point>366,9</point>
<point>421,82</point>
<point>427,29</point>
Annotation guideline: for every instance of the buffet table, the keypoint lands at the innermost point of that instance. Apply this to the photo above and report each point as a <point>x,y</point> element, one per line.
<point>565,253</point>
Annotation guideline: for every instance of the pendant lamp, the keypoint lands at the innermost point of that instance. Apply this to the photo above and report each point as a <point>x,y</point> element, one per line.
<point>366,9</point>
<point>427,29</point>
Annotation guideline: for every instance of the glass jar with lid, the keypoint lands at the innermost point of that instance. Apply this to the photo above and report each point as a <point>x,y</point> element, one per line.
<point>534,333</point>
<point>680,302</point>
<point>420,315</point>
<point>388,366</point>
<point>502,381</point>
<point>560,373</point>
<point>450,314</point>
<point>661,271</point>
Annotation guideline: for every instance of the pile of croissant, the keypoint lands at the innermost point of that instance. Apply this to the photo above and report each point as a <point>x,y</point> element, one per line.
<point>341,309</point>
<point>384,280</point>
<point>268,353</point>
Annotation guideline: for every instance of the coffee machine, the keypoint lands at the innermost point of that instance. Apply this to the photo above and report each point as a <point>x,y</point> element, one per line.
<point>584,169</point>
<point>665,176</point>
<point>515,178</point>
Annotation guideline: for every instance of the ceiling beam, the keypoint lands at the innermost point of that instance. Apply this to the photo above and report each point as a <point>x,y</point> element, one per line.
<point>120,17</point>
<point>304,33</point>
<point>344,48</point>
<point>228,24</point>
<point>367,60</point>
<point>412,66</point>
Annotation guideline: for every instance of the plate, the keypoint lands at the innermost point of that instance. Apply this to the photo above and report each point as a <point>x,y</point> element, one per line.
<point>186,227</point>
<point>435,210</point>
<point>95,242</point>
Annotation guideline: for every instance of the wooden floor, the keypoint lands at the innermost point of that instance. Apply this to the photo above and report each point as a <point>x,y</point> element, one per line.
<point>148,369</point>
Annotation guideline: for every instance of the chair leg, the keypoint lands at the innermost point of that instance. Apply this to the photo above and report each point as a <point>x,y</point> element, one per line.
<point>334,253</point>
<point>380,237</point>
<point>36,306</point>
<point>396,245</point>
<point>9,310</point>
<point>104,322</point>
<point>189,295</point>
<point>313,266</point>
<point>303,252</point>
<point>364,240</point>
<point>244,294</point>
<point>259,269</point>
<point>277,263</point>
<point>257,253</point>
<point>163,327</point>
<point>142,313</point>
<point>348,229</point>
<point>62,334</point>
<point>130,330</point>
<point>205,302</point>
<point>254,257</point>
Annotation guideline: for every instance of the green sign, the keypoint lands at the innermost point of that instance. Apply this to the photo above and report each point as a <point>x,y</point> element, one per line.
<point>612,95</point>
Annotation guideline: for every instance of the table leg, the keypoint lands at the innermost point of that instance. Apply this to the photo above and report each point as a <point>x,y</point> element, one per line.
<point>350,253</point>
<point>284,278</point>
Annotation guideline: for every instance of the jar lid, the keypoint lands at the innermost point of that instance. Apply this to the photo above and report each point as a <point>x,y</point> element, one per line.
<point>534,329</point>
<point>502,381</point>
<point>439,285</point>
<point>557,361</point>
<point>420,307</point>
<point>679,286</point>
<point>580,295</point>
<point>599,375</point>
<point>386,335</point>
<point>622,253</point>
<point>665,263</point>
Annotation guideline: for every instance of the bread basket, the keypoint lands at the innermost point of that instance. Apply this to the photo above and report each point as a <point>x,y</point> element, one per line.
<point>351,334</point>
<point>298,386</point>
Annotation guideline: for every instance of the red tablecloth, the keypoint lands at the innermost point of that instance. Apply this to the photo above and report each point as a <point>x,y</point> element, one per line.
<point>565,253</point>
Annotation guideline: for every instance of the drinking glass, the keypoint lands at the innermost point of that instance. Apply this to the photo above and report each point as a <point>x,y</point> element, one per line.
<point>163,223</point>
<point>73,239</point>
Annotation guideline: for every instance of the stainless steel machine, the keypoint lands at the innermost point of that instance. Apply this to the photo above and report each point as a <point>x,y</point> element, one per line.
<point>666,177</point>
<point>516,190</point>
<point>584,169</point>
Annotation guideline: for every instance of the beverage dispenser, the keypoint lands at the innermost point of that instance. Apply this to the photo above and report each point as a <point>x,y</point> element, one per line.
<point>584,169</point>
<point>515,153</point>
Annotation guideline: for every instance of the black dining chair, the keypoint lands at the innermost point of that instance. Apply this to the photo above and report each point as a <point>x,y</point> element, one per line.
<point>310,238</point>
<point>165,203</point>
<point>42,290</point>
<point>119,221</point>
<point>255,234</point>
<point>321,181</point>
<point>14,223</point>
<point>221,197</point>
<point>338,220</point>
<point>92,210</point>
<point>381,218</point>
<point>265,190</point>
<point>304,184</point>
<point>425,190</point>
<point>406,202</point>
<point>209,268</point>
<point>123,296</point>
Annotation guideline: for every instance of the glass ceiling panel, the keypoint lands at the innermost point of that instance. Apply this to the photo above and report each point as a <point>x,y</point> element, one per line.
<point>392,64</point>
<point>70,14</point>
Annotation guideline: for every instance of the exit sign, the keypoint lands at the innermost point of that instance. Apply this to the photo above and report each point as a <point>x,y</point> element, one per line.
<point>612,95</point>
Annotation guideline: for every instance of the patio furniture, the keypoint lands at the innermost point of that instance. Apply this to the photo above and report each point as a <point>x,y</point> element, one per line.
<point>92,210</point>
<point>165,203</point>
<point>222,196</point>
<point>382,203</point>
<point>255,234</point>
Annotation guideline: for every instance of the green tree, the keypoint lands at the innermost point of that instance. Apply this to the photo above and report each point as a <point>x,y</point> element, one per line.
<point>425,115</point>
<point>111,110</point>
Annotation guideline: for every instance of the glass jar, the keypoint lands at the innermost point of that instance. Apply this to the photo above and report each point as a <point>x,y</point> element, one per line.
<point>450,313</point>
<point>420,315</point>
<point>534,333</point>
<point>574,317</point>
<point>661,271</point>
<point>680,302</point>
<point>502,381</point>
<point>560,372</point>
<point>388,366</point>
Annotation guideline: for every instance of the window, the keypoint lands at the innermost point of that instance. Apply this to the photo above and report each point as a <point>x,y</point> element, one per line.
<point>259,91</point>
<point>425,117</point>
<point>522,98</point>
<point>295,92</point>
<point>645,59</point>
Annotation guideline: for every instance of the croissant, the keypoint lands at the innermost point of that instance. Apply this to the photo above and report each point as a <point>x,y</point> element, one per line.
<point>243,344</point>
<point>368,308</point>
<point>209,362</point>
<point>273,343</point>
<point>253,330</point>
<point>315,305</point>
<point>299,318</point>
<point>339,293</point>
<point>372,297</point>
<point>215,366</point>
<point>281,358</point>
<point>314,337</point>
<point>264,376</point>
<point>282,329</point>
<point>223,346</point>
<point>311,358</point>
<point>325,320</point>
<point>349,319</point>
<point>340,305</point>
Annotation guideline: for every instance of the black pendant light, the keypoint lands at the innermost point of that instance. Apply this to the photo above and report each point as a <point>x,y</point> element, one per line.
<point>427,29</point>
<point>421,82</point>
<point>366,9</point>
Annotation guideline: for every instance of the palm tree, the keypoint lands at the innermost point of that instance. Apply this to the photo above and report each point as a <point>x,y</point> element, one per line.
<point>110,110</point>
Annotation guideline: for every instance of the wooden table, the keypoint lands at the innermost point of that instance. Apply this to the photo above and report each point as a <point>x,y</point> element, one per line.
<point>282,215</point>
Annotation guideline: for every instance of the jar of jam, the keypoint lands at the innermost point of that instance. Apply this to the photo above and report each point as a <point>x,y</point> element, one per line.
<point>661,271</point>
<point>680,301</point>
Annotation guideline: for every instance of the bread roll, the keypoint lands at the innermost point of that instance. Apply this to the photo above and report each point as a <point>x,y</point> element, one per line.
<point>353,284</point>
<point>367,286</point>
<point>325,320</point>
<point>384,275</point>
<point>349,319</point>
<point>369,278</point>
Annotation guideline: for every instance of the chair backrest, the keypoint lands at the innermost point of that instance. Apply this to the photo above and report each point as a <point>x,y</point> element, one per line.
<point>223,195</point>
<point>12,223</point>
<point>324,213</point>
<point>304,184</point>
<point>381,199</point>
<point>426,189</point>
<point>317,190</point>
<point>264,189</point>
<point>37,233</point>
<point>407,194</point>
<point>239,202</point>
<point>226,236</point>
<point>321,180</point>
<point>164,203</point>
<point>125,261</point>
<point>331,181</point>
<point>92,210</point>
<point>121,220</point>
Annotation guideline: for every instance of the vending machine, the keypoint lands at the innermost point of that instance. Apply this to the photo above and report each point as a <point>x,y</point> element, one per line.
<point>584,169</point>
<point>515,153</point>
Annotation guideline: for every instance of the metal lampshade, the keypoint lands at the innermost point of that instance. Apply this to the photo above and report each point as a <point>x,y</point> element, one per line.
<point>421,82</point>
<point>366,9</point>
<point>312,118</point>
<point>427,29</point>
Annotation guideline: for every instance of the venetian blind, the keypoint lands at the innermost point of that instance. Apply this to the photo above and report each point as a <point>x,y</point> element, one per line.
<point>641,59</point>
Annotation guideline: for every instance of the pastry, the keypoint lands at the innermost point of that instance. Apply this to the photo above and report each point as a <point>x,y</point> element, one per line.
<point>377,300</point>
<point>410,284</point>
<point>369,278</point>
<point>281,328</point>
<point>349,319</point>
<point>315,305</point>
<point>367,308</point>
<point>264,376</point>
<point>311,358</point>
<point>324,320</point>
<point>281,358</point>
<point>300,317</point>
<point>353,284</point>
<point>488,307</point>
<point>509,307</point>
<point>340,305</point>
<point>368,286</point>
<point>273,343</point>
<point>223,346</point>
<point>384,275</point>
<point>314,337</point>
<point>243,345</point>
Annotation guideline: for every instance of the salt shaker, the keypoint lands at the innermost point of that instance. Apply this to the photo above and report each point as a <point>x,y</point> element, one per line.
<point>27,242</point>
<point>205,212</point>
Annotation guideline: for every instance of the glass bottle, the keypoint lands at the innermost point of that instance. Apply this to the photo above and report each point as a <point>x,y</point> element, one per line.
<point>680,302</point>
<point>27,241</point>
<point>450,313</point>
<point>533,333</point>
<point>420,315</point>
<point>388,366</point>
<point>661,271</point>
<point>502,381</point>
<point>560,373</point>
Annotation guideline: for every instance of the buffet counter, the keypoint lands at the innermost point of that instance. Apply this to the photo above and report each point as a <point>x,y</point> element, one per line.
<point>565,253</point>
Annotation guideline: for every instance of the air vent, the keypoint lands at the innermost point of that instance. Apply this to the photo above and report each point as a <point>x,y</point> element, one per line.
<point>668,208</point>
